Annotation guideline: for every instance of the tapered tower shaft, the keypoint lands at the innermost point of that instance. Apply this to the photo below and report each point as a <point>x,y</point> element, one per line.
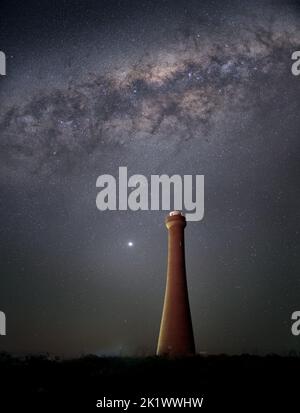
<point>176,332</point>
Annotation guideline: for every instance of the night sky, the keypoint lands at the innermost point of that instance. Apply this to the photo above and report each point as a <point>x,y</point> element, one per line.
<point>162,87</point>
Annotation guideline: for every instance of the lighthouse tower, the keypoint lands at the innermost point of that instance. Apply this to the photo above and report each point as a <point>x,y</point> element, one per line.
<point>176,337</point>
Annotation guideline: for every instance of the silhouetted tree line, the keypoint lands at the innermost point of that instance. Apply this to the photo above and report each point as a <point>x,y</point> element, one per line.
<point>223,380</point>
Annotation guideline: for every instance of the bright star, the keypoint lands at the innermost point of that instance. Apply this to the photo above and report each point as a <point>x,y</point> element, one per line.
<point>130,244</point>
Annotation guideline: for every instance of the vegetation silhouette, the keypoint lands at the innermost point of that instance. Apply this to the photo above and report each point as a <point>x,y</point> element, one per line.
<point>243,381</point>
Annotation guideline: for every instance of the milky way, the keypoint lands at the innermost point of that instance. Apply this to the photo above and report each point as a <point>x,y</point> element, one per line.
<point>175,87</point>
<point>172,96</point>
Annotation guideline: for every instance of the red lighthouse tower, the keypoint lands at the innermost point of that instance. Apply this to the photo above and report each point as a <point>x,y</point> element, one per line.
<point>176,337</point>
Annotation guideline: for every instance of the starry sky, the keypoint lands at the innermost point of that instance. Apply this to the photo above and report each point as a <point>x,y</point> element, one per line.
<point>162,87</point>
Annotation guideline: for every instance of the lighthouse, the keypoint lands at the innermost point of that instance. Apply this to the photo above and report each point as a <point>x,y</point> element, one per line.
<point>176,337</point>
